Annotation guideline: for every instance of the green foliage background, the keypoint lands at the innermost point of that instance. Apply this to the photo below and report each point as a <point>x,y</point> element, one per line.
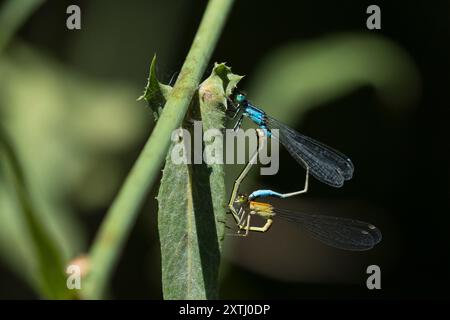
<point>68,109</point>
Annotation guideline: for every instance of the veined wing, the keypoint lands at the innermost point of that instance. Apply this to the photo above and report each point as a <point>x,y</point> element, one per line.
<point>325,163</point>
<point>342,233</point>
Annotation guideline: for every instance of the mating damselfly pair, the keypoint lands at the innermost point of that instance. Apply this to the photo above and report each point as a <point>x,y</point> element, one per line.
<point>322,162</point>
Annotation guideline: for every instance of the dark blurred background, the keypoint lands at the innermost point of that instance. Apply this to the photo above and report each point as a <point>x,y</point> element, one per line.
<point>68,100</point>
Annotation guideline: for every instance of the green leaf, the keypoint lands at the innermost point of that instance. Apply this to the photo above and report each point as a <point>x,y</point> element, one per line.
<point>51,279</point>
<point>223,79</point>
<point>192,202</point>
<point>155,92</point>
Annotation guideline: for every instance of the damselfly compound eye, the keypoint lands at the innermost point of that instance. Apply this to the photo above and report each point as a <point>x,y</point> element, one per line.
<point>240,98</point>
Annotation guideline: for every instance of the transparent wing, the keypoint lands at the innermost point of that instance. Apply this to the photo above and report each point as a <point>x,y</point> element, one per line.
<point>325,164</point>
<point>342,233</point>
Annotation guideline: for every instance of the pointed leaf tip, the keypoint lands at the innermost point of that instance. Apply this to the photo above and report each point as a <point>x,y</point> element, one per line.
<point>154,94</point>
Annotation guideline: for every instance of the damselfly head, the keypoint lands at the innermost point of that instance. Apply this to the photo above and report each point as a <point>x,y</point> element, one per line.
<point>242,198</point>
<point>240,98</point>
<point>241,203</point>
<point>235,103</point>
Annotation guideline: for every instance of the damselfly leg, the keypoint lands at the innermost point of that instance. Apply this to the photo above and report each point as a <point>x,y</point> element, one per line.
<point>246,207</point>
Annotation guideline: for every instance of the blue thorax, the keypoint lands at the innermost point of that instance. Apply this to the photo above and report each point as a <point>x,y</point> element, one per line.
<point>258,116</point>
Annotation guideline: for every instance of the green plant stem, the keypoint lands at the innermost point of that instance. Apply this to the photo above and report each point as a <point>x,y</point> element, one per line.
<point>120,217</point>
